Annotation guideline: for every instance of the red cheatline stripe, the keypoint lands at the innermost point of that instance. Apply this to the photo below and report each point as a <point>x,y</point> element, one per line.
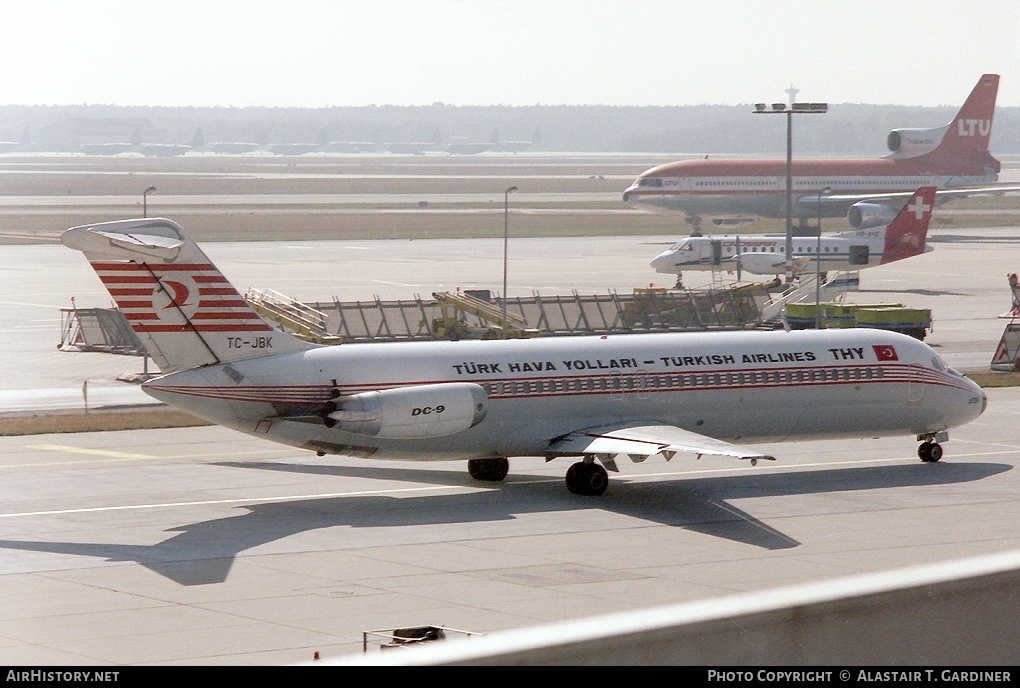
<point>896,374</point>
<point>141,327</point>
<point>255,327</point>
<point>225,316</point>
<point>271,394</point>
<point>134,303</point>
<point>211,279</point>
<point>149,315</point>
<point>217,291</point>
<point>127,279</point>
<point>156,267</point>
<point>144,291</point>
<point>224,303</point>
<point>218,327</point>
<point>265,395</point>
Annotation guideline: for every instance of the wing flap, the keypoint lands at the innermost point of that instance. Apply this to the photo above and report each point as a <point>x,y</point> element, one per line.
<point>645,440</point>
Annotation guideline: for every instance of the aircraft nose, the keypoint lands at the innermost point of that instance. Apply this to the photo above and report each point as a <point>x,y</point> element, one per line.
<point>977,401</point>
<point>663,262</point>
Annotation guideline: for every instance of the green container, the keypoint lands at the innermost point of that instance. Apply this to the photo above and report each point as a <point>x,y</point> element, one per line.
<point>801,311</point>
<point>919,317</point>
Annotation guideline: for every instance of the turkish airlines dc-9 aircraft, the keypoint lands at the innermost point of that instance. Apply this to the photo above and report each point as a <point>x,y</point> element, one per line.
<point>598,398</point>
<point>954,158</point>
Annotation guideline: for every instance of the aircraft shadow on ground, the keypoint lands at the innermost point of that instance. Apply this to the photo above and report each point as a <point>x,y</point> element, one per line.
<point>918,292</point>
<point>202,553</point>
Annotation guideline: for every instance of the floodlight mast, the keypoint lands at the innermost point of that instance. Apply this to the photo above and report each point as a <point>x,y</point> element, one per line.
<point>506,240</point>
<point>794,109</point>
<point>145,200</point>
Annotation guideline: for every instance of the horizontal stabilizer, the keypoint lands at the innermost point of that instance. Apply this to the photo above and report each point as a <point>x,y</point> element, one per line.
<point>127,240</point>
<point>148,244</point>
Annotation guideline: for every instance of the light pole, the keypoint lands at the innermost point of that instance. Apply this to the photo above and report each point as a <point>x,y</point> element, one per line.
<point>145,203</point>
<point>818,256</point>
<point>794,109</point>
<point>506,238</point>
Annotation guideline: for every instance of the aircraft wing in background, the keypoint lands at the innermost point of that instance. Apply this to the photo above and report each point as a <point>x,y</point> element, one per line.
<point>812,200</point>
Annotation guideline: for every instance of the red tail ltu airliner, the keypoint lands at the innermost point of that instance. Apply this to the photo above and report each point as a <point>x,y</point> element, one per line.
<point>953,158</point>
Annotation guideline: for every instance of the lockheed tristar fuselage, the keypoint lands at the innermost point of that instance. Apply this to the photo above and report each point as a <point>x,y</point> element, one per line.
<point>953,158</point>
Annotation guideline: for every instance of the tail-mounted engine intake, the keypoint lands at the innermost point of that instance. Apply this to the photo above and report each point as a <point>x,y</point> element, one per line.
<point>866,215</point>
<point>910,143</point>
<point>409,412</point>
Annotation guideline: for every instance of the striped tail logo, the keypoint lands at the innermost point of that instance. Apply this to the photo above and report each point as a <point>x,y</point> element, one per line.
<point>178,297</point>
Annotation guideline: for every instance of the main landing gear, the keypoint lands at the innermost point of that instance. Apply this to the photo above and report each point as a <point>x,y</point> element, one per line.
<point>493,470</point>
<point>583,478</point>
<point>587,478</point>
<point>929,451</point>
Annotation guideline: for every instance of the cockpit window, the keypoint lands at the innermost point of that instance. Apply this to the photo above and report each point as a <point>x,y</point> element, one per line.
<point>940,365</point>
<point>681,246</point>
<point>653,182</point>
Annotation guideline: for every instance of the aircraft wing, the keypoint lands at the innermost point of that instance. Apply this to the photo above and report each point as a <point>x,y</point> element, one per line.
<point>812,200</point>
<point>640,441</point>
<point>766,263</point>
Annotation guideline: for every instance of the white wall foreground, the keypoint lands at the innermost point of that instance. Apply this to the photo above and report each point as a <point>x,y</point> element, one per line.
<point>965,612</point>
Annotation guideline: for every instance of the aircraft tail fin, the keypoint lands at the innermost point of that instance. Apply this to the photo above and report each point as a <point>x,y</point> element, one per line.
<point>965,142</point>
<point>178,303</point>
<point>906,235</point>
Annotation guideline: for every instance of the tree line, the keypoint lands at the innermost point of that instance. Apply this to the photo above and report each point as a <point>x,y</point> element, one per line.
<point>846,129</point>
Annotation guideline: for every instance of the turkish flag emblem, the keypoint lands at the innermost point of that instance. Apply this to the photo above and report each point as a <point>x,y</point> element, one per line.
<point>885,352</point>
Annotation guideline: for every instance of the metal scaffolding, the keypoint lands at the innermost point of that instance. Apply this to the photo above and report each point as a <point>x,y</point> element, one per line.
<point>97,329</point>
<point>448,316</point>
<point>467,315</point>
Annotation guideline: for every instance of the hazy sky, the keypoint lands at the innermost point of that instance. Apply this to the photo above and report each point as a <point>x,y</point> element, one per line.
<point>320,53</point>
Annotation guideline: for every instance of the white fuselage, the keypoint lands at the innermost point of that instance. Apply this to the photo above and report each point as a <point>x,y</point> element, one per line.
<point>737,386</point>
<point>766,255</point>
<point>765,196</point>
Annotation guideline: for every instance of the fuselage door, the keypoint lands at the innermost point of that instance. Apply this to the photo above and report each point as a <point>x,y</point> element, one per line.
<point>915,385</point>
<point>859,254</point>
<point>716,252</point>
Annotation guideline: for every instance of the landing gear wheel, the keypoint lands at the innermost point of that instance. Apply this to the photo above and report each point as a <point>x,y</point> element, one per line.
<point>488,469</point>
<point>589,479</point>
<point>929,452</point>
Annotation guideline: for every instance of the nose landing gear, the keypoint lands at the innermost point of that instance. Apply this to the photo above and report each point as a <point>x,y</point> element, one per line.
<point>929,452</point>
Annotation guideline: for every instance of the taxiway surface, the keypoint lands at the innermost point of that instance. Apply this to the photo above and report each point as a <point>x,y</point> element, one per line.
<point>200,546</point>
<point>203,546</point>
